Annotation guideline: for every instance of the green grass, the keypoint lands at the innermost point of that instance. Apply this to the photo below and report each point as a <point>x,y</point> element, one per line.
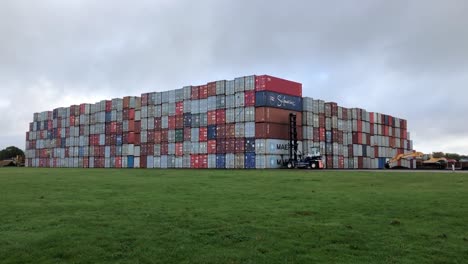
<point>209,216</point>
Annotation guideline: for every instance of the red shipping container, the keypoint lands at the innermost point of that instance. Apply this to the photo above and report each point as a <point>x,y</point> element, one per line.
<point>329,162</point>
<point>203,92</point>
<point>108,105</point>
<point>360,162</point>
<point>376,152</point>
<point>137,139</point>
<point>143,149</point>
<point>179,122</point>
<point>316,134</point>
<point>212,89</point>
<point>345,114</point>
<point>230,130</point>
<point>371,118</point>
<point>230,145</point>
<point>195,93</point>
<point>220,146</point>
<point>194,161</point>
<point>274,84</point>
<point>203,134</point>
<point>108,140</point>
<point>126,102</point>
<point>179,151</point>
<point>180,108</point>
<point>240,145</point>
<point>118,162</point>
<point>164,135</point>
<point>211,146</point>
<point>249,98</point>
<point>220,116</point>
<point>150,136</point>
<point>203,161</point>
<point>341,162</point>
<point>275,115</point>
<point>220,131</point>
<point>171,122</point>
<point>130,138</point>
<point>164,148</point>
<point>143,161</point>
<point>157,137</point>
<point>131,114</point>
<point>359,126</point>
<point>82,109</point>
<point>322,137</point>
<point>150,149</point>
<point>321,120</point>
<point>187,134</point>
<point>144,99</point>
<point>157,123</point>
<point>137,126</point>
<point>212,117</point>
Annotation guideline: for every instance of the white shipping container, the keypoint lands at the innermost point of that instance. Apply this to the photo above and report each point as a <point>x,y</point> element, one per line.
<point>240,130</point>
<point>230,115</point>
<point>136,151</point>
<point>179,162</point>
<point>230,161</point>
<point>268,161</point>
<point>240,99</point>
<point>163,162</point>
<point>157,162</point>
<point>274,146</point>
<point>308,132</point>
<point>239,115</point>
<point>211,161</point>
<point>230,101</point>
<point>239,161</point>
<point>250,129</point>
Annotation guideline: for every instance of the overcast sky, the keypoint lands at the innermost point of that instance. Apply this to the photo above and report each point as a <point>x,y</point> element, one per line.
<point>404,58</point>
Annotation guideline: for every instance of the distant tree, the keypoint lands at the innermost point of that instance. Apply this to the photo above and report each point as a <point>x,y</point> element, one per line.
<point>454,156</point>
<point>11,152</point>
<point>438,154</point>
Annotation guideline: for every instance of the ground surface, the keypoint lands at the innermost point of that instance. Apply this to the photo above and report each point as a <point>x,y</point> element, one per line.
<point>231,216</point>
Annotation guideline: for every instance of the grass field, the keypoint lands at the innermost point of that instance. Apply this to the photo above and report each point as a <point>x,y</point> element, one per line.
<point>209,216</point>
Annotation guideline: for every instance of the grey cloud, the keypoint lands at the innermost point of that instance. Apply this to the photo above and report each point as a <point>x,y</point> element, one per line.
<point>407,59</point>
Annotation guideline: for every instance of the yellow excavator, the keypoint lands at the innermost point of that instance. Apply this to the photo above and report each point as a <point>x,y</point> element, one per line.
<point>403,156</point>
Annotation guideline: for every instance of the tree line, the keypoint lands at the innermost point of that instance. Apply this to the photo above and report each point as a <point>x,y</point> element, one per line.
<point>454,156</point>
<point>11,152</point>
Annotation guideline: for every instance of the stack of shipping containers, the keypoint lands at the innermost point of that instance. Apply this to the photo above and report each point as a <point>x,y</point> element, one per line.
<point>240,123</point>
<point>353,138</point>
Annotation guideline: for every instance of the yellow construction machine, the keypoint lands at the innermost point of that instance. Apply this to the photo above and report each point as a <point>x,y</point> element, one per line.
<point>403,156</point>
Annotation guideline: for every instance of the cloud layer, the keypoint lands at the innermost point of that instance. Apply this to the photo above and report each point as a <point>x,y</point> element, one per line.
<point>405,59</point>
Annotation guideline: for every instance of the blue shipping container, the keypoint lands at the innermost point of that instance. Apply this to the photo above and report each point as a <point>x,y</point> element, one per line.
<point>119,140</point>
<point>382,162</point>
<point>130,161</point>
<point>250,145</point>
<point>249,162</point>
<point>220,161</point>
<point>108,117</point>
<point>187,120</point>
<point>283,101</point>
<point>328,136</point>
<point>364,150</point>
<point>212,132</point>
